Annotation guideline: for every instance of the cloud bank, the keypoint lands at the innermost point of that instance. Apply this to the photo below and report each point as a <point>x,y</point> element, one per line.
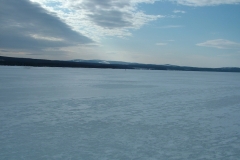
<point>220,44</point>
<point>96,18</point>
<point>205,2</point>
<point>27,26</point>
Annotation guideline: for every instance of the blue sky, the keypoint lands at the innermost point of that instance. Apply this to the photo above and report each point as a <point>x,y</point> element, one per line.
<point>181,32</point>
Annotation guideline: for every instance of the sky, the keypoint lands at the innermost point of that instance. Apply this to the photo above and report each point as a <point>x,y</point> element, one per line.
<point>200,33</point>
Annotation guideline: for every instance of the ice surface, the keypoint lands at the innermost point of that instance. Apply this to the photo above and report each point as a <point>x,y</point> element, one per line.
<point>65,113</point>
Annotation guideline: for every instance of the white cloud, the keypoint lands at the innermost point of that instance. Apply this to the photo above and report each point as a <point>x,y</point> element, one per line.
<point>220,44</point>
<point>179,11</point>
<point>161,44</point>
<point>206,2</point>
<point>96,18</point>
<point>172,26</point>
<point>47,38</point>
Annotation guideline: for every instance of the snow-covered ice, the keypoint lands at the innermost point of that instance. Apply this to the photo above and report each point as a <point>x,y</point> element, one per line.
<point>88,114</point>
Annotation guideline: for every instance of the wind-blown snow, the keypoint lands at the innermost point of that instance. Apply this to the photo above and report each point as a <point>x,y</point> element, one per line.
<point>64,113</point>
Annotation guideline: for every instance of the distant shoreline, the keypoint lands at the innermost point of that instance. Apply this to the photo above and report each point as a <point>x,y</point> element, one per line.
<point>13,61</point>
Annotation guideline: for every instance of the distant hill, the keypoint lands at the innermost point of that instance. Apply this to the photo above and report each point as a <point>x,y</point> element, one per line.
<point>78,63</point>
<point>103,61</point>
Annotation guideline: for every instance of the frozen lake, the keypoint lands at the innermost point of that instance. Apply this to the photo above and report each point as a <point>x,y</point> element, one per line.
<point>106,114</point>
